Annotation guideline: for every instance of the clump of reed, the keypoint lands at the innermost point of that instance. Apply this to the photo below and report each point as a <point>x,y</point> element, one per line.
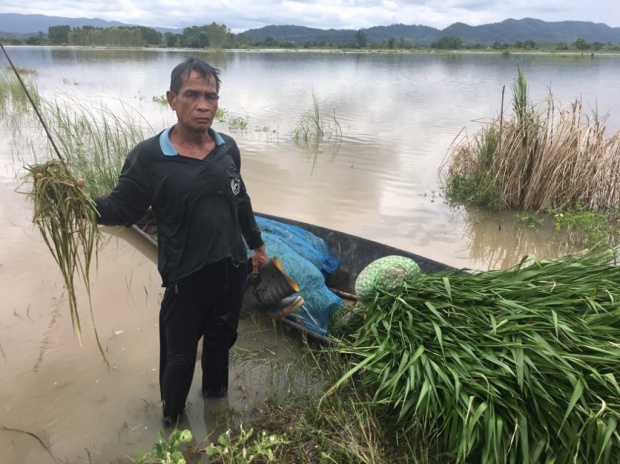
<point>315,128</point>
<point>514,366</point>
<point>538,159</point>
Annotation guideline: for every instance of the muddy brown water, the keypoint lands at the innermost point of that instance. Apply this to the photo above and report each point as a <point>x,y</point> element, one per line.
<point>63,393</point>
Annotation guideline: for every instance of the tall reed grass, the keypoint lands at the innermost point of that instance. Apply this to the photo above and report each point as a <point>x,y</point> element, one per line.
<point>95,138</point>
<point>542,157</point>
<point>14,104</point>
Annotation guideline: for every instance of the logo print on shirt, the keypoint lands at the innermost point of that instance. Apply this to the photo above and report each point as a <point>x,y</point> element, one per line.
<point>235,186</point>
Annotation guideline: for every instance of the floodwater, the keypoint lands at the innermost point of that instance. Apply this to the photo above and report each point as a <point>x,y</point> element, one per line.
<point>63,392</point>
<point>398,114</point>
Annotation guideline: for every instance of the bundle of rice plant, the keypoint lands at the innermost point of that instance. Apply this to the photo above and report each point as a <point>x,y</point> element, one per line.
<point>67,218</point>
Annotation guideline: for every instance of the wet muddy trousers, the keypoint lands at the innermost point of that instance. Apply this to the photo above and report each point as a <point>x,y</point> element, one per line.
<point>205,304</point>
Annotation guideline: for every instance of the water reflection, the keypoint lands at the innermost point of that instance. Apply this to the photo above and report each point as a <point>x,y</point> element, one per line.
<point>500,240</point>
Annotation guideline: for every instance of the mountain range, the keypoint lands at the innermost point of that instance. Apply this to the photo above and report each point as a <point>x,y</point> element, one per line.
<point>508,31</point>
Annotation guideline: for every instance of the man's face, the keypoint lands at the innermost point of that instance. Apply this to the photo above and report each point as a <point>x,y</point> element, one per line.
<point>196,103</point>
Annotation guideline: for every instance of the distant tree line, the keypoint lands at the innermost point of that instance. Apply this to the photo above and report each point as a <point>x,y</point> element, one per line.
<point>219,36</point>
<point>454,43</point>
<point>212,35</point>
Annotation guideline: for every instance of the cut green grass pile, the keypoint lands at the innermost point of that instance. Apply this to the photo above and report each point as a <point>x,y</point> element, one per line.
<point>513,366</point>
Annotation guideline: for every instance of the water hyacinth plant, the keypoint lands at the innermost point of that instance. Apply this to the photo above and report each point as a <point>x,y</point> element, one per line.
<point>514,366</point>
<point>167,450</point>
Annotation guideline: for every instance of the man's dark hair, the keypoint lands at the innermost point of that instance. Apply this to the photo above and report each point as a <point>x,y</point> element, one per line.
<point>183,70</point>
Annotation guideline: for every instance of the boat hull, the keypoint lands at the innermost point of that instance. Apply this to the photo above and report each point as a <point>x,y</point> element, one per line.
<point>353,252</point>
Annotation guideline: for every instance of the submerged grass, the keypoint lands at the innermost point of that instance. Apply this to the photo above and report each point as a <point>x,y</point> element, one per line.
<point>340,428</point>
<point>313,126</point>
<point>314,129</point>
<point>14,103</point>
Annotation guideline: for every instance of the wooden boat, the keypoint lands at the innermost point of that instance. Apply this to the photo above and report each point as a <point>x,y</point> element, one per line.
<point>353,252</point>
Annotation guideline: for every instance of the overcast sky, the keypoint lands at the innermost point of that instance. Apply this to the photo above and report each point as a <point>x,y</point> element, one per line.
<point>241,15</point>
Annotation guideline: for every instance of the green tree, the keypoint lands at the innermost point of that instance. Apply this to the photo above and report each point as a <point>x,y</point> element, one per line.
<point>79,35</point>
<point>171,40</point>
<point>581,44</point>
<point>360,39</point>
<point>151,36</point>
<point>58,34</point>
<point>38,39</point>
<point>270,42</point>
<point>217,35</point>
<point>194,37</point>
<point>450,42</point>
<point>241,40</point>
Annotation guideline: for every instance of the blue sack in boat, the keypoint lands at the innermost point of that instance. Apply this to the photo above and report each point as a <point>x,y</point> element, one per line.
<point>305,259</point>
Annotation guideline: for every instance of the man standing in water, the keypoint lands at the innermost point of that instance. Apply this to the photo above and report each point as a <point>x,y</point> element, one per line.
<point>190,175</point>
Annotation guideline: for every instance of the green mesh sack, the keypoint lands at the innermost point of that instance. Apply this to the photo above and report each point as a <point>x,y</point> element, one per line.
<point>387,273</point>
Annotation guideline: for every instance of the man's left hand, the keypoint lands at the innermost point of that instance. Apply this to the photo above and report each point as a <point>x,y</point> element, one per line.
<point>259,257</point>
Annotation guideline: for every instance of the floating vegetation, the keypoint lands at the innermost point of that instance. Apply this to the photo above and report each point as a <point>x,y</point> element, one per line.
<point>221,114</point>
<point>238,123</point>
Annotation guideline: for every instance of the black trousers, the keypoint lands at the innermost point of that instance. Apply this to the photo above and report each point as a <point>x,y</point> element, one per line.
<point>205,304</point>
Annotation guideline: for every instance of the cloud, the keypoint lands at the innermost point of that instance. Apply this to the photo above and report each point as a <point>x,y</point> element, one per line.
<point>241,15</point>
